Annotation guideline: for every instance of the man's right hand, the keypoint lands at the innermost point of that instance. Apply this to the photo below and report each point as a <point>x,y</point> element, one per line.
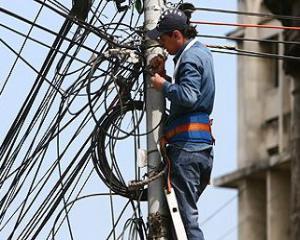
<point>157,81</point>
<point>157,65</point>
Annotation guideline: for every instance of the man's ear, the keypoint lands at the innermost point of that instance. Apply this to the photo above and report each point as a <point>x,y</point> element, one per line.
<point>179,38</point>
<point>177,34</point>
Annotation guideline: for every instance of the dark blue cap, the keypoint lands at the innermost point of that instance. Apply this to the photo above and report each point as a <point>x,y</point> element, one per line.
<point>170,20</point>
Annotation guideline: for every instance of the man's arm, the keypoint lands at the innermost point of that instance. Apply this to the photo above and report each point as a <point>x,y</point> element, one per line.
<point>187,91</point>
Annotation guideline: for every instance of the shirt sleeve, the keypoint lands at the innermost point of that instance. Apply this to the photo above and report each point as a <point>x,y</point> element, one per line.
<point>186,91</point>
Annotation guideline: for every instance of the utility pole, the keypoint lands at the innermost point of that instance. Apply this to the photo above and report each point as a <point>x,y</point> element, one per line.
<point>157,206</point>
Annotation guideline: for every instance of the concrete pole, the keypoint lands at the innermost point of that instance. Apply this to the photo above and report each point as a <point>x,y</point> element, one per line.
<point>157,207</point>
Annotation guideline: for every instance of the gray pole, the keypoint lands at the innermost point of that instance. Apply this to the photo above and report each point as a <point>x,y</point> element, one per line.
<point>157,206</point>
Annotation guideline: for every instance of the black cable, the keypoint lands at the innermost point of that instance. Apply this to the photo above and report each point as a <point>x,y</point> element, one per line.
<point>57,200</point>
<point>88,27</point>
<point>21,49</point>
<point>2,145</point>
<point>16,126</point>
<point>102,166</point>
<point>268,55</point>
<point>59,6</point>
<point>39,42</point>
<point>39,165</point>
<point>264,15</point>
<point>249,39</point>
<point>58,183</point>
<point>108,109</point>
<point>21,171</point>
<point>11,148</point>
<point>241,52</point>
<point>29,150</point>
<point>27,104</point>
<point>60,171</point>
<point>42,28</point>
<point>76,184</point>
<point>70,203</point>
<point>30,66</point>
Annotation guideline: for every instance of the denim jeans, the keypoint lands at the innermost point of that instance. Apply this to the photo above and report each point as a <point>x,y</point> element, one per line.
<point>190,174</point>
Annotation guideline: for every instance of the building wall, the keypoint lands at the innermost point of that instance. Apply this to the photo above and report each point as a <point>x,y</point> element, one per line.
<point>264,105</point>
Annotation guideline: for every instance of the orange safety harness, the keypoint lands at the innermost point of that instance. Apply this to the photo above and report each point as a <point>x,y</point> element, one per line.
<point>164,140</point>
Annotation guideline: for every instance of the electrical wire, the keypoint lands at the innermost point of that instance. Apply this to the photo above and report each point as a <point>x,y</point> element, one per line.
<point>257,55</point>
<point>244,220</point>
<point>254,53</point>
<point>243,25</point>
<point>34,159</point>
<point>249,39</point>
<point>41,43</point>
<point>92,100</point>
<point>264,15</point>
<point>29,65</point>
<point>21,49</point>
<point>24,20</point>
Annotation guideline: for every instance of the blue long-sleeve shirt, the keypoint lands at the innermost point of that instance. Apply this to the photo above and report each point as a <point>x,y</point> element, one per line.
<point>194,87</point>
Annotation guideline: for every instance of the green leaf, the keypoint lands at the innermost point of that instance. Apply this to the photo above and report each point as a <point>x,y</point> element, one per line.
<point>139,6</point>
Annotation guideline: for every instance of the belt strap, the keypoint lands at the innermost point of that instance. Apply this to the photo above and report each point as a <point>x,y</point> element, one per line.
<point>163,142</point>
<point>189,127</point>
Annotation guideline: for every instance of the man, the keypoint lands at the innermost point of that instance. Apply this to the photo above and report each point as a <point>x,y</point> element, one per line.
<point>187,129</point>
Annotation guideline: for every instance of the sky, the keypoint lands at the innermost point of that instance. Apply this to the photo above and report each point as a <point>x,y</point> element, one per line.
<point>217,222</point>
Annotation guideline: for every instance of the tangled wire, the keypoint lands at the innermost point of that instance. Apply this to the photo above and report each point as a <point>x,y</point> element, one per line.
<point>85,95</point>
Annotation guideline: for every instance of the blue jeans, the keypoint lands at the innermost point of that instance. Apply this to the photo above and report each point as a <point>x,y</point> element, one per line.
<point>190,174</point>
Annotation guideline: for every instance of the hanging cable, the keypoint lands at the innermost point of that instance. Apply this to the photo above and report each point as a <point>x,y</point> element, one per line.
<point>20,51</point>
<point>245,54</point>
<point>249,39</point>
<point>243,25</point>
<point>254,53</point>
<point>264,15</point>
<point>30,226</point>
<point>9,13</point>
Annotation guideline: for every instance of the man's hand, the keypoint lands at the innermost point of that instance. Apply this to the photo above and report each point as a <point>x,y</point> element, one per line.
<point>157,65</point>
<point>157,81</point>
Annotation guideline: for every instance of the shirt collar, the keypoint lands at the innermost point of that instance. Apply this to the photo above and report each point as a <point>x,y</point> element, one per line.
<point>177,55</point>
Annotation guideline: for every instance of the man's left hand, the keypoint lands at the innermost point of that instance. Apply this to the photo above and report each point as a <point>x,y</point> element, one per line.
<point>157,81</point>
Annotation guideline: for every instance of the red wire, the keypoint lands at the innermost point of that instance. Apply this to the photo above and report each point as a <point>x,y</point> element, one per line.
<point>247,25</point>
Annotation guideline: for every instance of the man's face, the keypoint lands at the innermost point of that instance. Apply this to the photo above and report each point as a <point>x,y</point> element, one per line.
<point>169,42</point>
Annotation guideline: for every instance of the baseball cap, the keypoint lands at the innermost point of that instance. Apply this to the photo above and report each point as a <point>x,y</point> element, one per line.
<point>170,20</point>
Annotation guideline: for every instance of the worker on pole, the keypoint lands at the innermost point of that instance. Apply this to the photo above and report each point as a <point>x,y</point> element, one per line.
<point>187,131</point>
